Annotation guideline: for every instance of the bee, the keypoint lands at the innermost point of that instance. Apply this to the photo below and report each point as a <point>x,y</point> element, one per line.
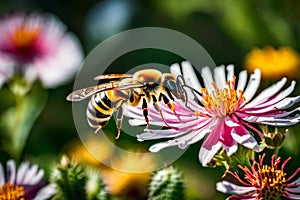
<point>144,86</point>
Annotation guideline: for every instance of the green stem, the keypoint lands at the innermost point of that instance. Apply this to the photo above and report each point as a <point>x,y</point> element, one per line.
<point>19,119</point>
<point>276,150</point>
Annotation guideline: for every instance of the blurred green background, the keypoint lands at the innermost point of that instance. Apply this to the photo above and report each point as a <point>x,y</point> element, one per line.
<point>226,29</point>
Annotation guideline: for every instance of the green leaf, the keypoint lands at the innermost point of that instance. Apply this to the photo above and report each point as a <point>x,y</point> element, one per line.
<point>17,121</point>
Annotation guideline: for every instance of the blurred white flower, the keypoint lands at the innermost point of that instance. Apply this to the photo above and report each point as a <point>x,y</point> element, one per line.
<point>26,182</point>
<point>39,47</point>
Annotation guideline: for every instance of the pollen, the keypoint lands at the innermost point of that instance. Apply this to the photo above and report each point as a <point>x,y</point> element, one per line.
<point>222,102</point>
<point>24,36</point>
<point>274,63</point>
<point>272,182</point>
<point>9,191</point>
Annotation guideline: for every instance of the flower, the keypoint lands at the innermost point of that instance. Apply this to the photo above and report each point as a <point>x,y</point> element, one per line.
<point>132,182</point>
<point>222,111</point>
<point>274,63</point>
<point>37,46</point>
<point>263,182</point>
<point>83,153</point>
<point>26,182</point>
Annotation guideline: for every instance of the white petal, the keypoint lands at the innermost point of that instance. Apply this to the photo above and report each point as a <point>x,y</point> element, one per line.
<point>279,97</point>
<point>33,176</point>
<point>242,80</point>
<point>230,72</point>
<point>230,149</point>
<point>7,69</point>
<point>230,123</point>
<point>46,192</point>
<point>2,175</point>
<point>207,79</point>
<point>283,104</point>
<point>267,93</point>
<point>292,188</point>
<point>282,122</point>
<point>287,102</point>
<point>23,168</point>
<point>246,140</point>
<point>175,69</point>
<point>253,85</point>
<point>292,196</point>
<point>205,155</point>
<point>140,122</point>
<point>11,171</point>
<point>159,146</point>
<point>159,134</point>
<point>230,188</point>
<point>29,174</point>
<point>199,135</point>
<point>219,74</point>
<point>189,75</point>
<point>183,141</point>
<point>60,67</point>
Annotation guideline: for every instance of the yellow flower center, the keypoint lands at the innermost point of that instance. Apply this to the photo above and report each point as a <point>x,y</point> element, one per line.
<point>222,102</point>
<point>24,36</point>
<point>274,63</point>
<point>272,182</point>
<point>9,191</point>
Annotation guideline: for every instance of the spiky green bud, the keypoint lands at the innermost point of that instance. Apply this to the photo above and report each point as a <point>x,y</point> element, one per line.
<point>95,187</point>
<point>70,180</point>
<point>74,181</point>
<point>166,184</point>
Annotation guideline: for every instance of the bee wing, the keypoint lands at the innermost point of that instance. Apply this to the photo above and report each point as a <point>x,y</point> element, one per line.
<point>84,93</point>
<point>112,76</point>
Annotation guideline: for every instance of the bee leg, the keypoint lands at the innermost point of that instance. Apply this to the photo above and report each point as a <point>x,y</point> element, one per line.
<point>145,111</point>
<point>98,129</point>
<point>119,120</point>
<point>167,102</point>
<point>159,110</point>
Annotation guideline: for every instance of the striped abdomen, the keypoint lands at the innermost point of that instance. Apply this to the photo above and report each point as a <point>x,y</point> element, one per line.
<point>101,107</point>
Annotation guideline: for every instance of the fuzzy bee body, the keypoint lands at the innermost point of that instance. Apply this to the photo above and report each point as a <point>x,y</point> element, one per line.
<point>144,86</point>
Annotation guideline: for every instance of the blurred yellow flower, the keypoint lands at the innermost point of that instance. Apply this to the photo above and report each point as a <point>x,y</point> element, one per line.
<point>274,63</point>
<point>132,182</point>
<point>79,153</point>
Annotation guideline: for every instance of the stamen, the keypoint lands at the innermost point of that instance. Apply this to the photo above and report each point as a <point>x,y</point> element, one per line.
<point>24,36</point>
<point>272,182</point>
<point>9,191</point>
<point>222,102</point>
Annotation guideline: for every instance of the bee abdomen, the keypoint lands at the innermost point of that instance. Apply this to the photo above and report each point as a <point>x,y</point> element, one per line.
<point>99,111</point>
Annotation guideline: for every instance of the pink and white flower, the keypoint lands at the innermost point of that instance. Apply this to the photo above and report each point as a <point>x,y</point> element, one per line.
<point>222,112</point>
<point>263,182</point>
<point>38,46</point>
<point>26,182</point>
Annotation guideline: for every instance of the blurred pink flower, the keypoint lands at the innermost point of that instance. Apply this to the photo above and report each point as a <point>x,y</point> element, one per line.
<point>263,182</point>
<point>26,182</point>
<point>222,111</point>
<point>38,46</point>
